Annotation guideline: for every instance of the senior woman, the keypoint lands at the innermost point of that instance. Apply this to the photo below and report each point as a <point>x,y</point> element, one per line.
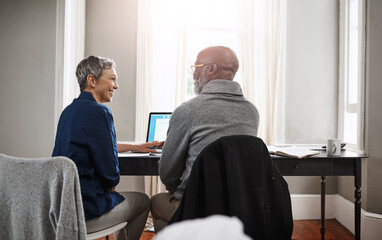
<point>86,134</point>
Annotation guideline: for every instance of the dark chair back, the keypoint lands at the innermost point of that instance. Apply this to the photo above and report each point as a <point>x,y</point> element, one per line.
<point>235,176</point>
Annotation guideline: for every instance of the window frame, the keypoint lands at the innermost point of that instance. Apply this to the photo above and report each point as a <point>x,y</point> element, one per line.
<point>344,106</point>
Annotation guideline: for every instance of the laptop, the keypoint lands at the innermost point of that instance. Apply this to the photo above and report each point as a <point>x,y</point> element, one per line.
<point>158,125</point>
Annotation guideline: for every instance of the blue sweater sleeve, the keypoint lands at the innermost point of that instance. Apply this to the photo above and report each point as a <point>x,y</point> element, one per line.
<point>103,148</point>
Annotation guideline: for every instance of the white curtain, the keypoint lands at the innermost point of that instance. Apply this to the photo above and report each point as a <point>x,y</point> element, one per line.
<point>144,69</point>
<point>163,33</point>
<point>161,67</point>
<point>262,63</point>
<point>144,82</point>
<point>169,28</point>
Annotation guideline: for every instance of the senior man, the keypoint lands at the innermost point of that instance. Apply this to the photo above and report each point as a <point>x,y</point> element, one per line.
<point>220,109</point>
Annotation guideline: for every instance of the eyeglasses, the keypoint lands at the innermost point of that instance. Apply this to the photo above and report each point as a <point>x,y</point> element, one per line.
<point>193,67</point>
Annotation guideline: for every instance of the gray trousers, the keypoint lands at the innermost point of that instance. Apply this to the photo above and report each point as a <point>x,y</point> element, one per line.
<point>134,209</point>
<point>163,206</point>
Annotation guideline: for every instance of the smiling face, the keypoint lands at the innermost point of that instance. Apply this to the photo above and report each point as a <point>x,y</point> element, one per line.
<point>105,86</point>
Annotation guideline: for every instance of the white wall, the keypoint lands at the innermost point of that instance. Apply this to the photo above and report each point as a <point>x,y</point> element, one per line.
<point>374,109</point>
<point>111,31</point>
<point>27,77</point>
<point>311,81</point>
<point>311,71</point>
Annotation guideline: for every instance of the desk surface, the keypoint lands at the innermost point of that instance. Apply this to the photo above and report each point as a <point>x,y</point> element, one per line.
<point>319,165</point>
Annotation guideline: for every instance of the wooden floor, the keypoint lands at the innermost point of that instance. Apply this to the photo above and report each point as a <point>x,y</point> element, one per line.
<point>304,230</point>
<point>310,230</point>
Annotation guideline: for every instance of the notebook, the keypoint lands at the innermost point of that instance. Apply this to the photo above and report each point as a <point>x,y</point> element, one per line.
<point>158,125</point>
<point>294,152</point>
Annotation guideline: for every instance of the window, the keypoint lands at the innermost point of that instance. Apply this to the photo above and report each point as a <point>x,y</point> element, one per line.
<point>181,27</point>
<point>172,32</point>
<point>70,49</point>
<point>351,92</point>
<point>220,28</point>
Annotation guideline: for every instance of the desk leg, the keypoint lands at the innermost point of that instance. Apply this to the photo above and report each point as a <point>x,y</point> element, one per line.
<point>357,196</point>
<point>323,192</point>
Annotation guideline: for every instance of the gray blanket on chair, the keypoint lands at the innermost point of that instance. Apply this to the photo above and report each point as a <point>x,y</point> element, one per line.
<point>40,199</point>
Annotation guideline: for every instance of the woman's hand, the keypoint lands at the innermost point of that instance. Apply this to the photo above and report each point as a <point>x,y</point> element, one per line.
<point>142,147</point>
<point>146,147</point>
<point>160,145</point>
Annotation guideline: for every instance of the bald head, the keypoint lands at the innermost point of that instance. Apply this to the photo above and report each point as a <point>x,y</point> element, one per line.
<point>225,60</point>
<point>214,63</point>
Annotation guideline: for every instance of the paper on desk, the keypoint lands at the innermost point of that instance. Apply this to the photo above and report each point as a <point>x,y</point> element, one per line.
<point>156,154</point>
<point>131,154</point>
<point>294,152</point>
<point>135,154</point>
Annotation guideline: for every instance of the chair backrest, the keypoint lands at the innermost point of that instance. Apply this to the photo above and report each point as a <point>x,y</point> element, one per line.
<point>40,199</point>
<point>235,176</point>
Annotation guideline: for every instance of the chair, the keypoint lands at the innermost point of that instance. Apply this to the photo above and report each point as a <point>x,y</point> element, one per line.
<point>40,199</point>
<point>235,176</point>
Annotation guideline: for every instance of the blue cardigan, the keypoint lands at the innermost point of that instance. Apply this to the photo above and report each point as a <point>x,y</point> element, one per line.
<point>86,134</point>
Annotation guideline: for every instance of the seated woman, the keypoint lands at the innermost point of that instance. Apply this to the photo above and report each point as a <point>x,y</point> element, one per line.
<point>86,134</point>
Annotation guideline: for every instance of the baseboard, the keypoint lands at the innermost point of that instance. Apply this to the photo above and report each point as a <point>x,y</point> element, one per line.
<point>307,206</point>
<point>371,223</point>
<point>345,213</point>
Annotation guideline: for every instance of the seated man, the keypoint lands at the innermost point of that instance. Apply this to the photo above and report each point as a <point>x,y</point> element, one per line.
<point>219,110</point>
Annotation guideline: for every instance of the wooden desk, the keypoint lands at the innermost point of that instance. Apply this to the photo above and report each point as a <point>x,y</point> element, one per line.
<point>348,164</point>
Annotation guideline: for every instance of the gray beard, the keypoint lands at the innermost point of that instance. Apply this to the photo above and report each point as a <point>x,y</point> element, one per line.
<point>200,83</point>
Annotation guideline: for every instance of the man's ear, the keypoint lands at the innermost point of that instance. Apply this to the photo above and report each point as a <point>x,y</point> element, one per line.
<point>91,80</point>
<point>213,69</point>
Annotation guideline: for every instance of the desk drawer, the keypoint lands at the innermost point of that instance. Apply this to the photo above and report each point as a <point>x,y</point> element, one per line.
<point>305,167</point>
<point>315,167</point>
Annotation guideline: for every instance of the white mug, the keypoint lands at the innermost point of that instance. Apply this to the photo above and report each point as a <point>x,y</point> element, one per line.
<point>333,147</point>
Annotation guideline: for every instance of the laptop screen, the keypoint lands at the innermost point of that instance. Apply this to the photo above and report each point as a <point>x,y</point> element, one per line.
<point>158,125</point>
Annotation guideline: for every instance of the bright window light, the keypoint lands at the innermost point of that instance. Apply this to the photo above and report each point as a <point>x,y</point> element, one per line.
<point>352,67</point>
